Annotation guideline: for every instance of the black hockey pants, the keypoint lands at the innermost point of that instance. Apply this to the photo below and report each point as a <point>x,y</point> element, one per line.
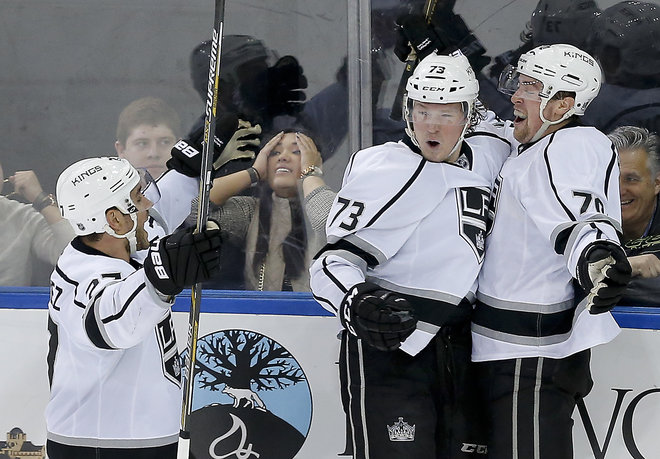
<point>422,407</point>
<point>56,450</point>
<point>530,402</point>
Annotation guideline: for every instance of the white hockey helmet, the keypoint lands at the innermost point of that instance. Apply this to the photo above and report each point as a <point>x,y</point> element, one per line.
<point>441,80</point>
<point>558,67</point>
<point>89,187</point>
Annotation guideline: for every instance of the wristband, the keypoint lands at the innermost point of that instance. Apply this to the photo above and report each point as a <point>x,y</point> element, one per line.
<point>254,176</point>
<point>42,201</point>
<point>310,171</point>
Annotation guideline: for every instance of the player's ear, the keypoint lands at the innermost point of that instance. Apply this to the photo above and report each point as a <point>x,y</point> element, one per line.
<point>116,220</point>
<point>656,183</point>
<point>565,104</point>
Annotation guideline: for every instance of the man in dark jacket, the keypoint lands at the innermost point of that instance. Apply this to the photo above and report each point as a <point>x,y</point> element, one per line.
<point>640,212</point>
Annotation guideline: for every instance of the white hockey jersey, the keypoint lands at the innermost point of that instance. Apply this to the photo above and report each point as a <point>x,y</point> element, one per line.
<point>411,226</point>
<point>550,201</point>
<point>113,362</point>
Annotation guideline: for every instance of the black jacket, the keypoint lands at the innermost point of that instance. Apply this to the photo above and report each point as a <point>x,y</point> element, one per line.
<point>644,292</point>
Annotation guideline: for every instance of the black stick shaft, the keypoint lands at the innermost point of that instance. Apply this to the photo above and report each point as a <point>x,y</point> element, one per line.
<point>202,217</point>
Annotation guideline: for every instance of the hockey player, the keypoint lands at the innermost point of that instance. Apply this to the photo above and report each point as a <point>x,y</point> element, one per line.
<point>113,362</point>
<point>405,245</point>
<point>556,217</point>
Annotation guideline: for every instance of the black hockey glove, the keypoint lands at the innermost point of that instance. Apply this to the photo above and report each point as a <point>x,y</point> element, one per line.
<point>182,259</point>
<point>442,36</point>
<point>413,31</point>
<point>187,153</point>
<point>380,317</point>
<point>286,83</point>
<point>603,272</point>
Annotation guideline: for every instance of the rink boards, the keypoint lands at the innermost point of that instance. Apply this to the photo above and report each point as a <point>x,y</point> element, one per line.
<point>292,407</point>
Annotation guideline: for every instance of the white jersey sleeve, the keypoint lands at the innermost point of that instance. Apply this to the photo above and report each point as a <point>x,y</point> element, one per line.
<point>119,306</point>
<point>177,192</point>
<point>579,203</point>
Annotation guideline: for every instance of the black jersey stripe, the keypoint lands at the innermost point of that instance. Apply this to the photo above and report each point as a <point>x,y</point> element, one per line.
<point>53,344</point>
<point>92,328</point>
<point>487,134</point>
<point>331,276</point>
<point>610,167</point>
<point>320,299</point>
<point>552,184</point>
<point>343,244</point>
<point>521,323</point>
<point>126,304</point>
<point>561,241</point>
<point>396,197</point>
<point>66,278</point>
<point>351,160</point>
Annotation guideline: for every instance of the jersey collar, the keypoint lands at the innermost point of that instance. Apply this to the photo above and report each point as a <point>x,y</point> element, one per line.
<point>80,246</point>
<point>465,158</point>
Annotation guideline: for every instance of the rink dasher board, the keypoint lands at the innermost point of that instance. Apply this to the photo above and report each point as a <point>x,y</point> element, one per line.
<point>625,400</point>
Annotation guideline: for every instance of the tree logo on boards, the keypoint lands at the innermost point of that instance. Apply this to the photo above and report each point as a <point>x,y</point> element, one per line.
<point>251,398</point>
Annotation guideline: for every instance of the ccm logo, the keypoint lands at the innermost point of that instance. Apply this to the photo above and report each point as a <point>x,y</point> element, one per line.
<point>431,88</point>
<point>186,149</point>
<point>158,261</point>
<point>474,448</point>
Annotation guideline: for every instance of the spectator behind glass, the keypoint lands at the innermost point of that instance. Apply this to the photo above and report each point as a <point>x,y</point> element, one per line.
<point>625,39</point>
<point>146,131</point>
<point>29,233</point>
<point>270,224</point>
<point>640,213</point>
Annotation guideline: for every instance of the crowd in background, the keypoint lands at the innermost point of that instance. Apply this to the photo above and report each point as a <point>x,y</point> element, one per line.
<point>272,234</point>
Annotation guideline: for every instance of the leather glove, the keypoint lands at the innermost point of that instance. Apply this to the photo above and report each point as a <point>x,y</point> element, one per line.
<point>380,317</point>
<point>187,153</point>
<point>182,259</point>
<point>603,271</point>
<point>244,144</point>
<point>413,33</point>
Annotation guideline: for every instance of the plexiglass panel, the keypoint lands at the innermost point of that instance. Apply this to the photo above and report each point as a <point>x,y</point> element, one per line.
<point>70,68</point>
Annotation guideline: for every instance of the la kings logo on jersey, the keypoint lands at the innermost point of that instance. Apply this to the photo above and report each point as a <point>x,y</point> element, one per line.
<point>473,215</point>
<point>492,206</point>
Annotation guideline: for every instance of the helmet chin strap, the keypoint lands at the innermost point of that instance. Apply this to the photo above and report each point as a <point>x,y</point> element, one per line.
<point>130,236</point>
<point>546,123</point>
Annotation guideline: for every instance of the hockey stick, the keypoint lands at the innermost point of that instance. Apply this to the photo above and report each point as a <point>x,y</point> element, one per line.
<point>396,112</point>
<point>183,451</point>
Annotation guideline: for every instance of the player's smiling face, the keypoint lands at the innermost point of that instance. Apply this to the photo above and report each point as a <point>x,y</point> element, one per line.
<point>284,166</point>
<point>526,109</point>
<point>638,191</point>
<point>437,129</point>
